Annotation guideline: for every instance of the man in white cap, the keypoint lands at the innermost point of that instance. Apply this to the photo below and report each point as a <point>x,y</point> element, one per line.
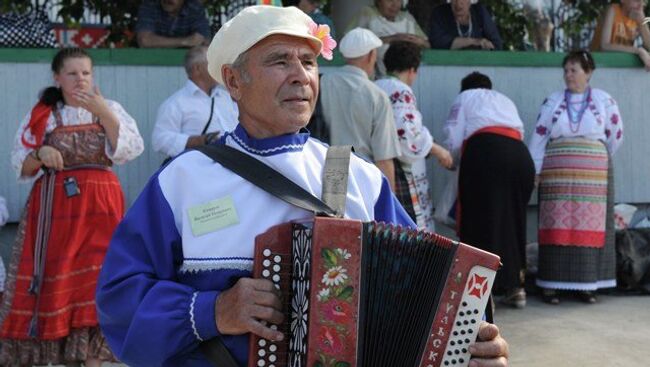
<point>171,278</point>
<point>357,111</point>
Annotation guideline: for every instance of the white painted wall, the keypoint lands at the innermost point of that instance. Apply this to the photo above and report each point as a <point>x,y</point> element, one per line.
<point>141,89</point>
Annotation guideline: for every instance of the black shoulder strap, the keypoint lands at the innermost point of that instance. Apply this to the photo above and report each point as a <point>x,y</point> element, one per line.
<point>266,178</point>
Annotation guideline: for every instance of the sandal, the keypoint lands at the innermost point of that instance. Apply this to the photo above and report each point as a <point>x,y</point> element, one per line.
<point>587,297</point>
<point>550,296</point>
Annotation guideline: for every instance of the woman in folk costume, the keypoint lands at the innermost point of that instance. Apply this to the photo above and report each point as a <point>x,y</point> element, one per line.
<point>577,131</point>
<point>495,181</point>
<point>67,144</point>
<point>411,183</point>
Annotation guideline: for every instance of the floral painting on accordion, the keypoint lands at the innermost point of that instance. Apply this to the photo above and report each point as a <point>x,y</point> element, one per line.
<point>335,308</point>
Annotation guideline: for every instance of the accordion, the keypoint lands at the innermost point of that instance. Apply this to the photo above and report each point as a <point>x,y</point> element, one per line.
<point>371,294</point>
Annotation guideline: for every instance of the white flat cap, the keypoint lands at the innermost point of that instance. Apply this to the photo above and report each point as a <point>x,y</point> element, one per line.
<point>250,26</point>
<point>359,42</point>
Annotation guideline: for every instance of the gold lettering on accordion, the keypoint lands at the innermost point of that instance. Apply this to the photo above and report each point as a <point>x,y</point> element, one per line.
<point>441,331</point>
<point>445,320</point>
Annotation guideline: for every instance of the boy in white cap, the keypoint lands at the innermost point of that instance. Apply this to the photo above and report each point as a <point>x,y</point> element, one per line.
<point>170,280</point>
<point>357,112</point>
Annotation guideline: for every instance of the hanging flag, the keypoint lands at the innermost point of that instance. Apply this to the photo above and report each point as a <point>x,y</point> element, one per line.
<point>270,2</point>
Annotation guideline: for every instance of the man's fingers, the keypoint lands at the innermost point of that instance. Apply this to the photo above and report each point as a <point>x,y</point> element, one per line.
<point>480,362</point>
<point>487,331</point>
<point>265,332</point>
<point>268,314</point>
<point>268,299</point>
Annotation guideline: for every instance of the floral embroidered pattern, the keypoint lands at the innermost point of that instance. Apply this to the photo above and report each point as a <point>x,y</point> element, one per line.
<point>541,130</point>
<point>335,308</point>
<point>614,119</point>
<point>322,32</point>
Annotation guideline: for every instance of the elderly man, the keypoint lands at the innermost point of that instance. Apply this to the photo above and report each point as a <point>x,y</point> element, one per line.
<point>169,282</point>
<point>357,111</point>
<point>196,114</point>
<point>172,24</point>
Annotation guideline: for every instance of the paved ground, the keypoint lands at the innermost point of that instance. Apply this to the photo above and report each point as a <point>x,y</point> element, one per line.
<point>615,332</point>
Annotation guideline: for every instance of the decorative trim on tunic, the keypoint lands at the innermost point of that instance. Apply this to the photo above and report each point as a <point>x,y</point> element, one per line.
<point>196,332</point>
<point>210,264</point>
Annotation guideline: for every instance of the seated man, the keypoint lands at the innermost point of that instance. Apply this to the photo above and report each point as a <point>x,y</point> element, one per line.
<point>172,23</point>
<point>196,114</point>
<point>170,282</point>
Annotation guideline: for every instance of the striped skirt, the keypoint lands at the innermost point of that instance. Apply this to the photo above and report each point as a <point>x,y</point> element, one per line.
<point>575,204</point>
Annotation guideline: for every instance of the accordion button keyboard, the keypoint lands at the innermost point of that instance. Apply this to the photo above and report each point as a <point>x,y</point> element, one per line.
<point>261,343</point>
<point>273,348</point>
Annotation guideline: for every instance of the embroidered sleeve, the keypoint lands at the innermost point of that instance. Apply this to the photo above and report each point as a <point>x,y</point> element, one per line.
<point>20,152</point>
<point>415,139</point>
<point>613,125</point>
<point>455,128</point>
<point>541,133</point>
<point>129,141</point>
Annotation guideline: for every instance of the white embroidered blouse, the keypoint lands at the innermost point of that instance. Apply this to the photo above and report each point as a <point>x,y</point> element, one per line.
<point>601,121</point>
<point>475,109</point>
<point>414,138</point>
<point>129,142</point>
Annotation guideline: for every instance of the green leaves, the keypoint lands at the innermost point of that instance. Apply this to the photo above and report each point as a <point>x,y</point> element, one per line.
<point>330,258</point>
<point>345,293</point>
<point>342,364</point>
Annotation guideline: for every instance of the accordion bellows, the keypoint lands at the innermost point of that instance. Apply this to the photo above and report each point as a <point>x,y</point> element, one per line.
<point>371,294</point>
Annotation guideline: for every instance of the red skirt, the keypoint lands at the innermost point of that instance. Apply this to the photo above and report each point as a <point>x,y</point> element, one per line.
<point>81,229</point>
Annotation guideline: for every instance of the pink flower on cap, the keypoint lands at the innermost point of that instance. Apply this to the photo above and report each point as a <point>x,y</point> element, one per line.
<point>322,32</point>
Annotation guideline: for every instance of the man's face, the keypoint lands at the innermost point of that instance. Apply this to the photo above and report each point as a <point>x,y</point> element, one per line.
<point>172,7</point>
<point>278,94</point>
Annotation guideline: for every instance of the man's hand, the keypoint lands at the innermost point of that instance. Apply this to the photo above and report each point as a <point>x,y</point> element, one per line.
<point>486,44</point>
<point>247,307</point>
<point>195,39</point>
<point>491,350</point>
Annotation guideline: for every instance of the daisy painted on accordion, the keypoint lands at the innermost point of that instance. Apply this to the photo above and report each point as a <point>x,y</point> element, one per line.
<point>371,294</point>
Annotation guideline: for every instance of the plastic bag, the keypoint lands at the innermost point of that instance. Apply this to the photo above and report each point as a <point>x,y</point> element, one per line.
<point>633,259</point>
<point>446,205</point>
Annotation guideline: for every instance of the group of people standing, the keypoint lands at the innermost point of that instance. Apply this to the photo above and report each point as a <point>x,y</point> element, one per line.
<point>73,135</point>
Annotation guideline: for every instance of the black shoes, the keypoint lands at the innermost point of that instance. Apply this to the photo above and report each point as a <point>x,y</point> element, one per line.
<point>550,296</point>
<point>587,297</point>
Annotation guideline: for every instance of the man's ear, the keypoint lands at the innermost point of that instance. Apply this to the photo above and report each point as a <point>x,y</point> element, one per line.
<point>232,81</point>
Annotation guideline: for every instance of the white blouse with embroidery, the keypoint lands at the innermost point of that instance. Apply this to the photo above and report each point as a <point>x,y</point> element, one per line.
<point>414,138</point>
<point>601,121</point>
<point>475,109</point>
<point>129,142</point>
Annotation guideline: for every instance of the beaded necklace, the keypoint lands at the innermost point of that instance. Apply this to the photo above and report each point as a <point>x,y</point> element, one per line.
<point>584,104</point>
<point>469,28</point>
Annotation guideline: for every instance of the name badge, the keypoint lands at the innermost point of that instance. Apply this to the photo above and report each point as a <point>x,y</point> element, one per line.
<point>212,216</point>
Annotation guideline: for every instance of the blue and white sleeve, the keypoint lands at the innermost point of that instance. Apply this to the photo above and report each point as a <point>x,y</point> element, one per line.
<point>389,210</point>
<point>147,317</point>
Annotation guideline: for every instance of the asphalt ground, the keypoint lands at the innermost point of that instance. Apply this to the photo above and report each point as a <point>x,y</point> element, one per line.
<point>614,332</point>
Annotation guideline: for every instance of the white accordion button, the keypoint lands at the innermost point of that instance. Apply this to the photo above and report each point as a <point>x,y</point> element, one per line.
<point>266,252</point>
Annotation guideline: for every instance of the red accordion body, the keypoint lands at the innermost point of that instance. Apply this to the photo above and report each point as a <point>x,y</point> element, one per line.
<point>371,294</point>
